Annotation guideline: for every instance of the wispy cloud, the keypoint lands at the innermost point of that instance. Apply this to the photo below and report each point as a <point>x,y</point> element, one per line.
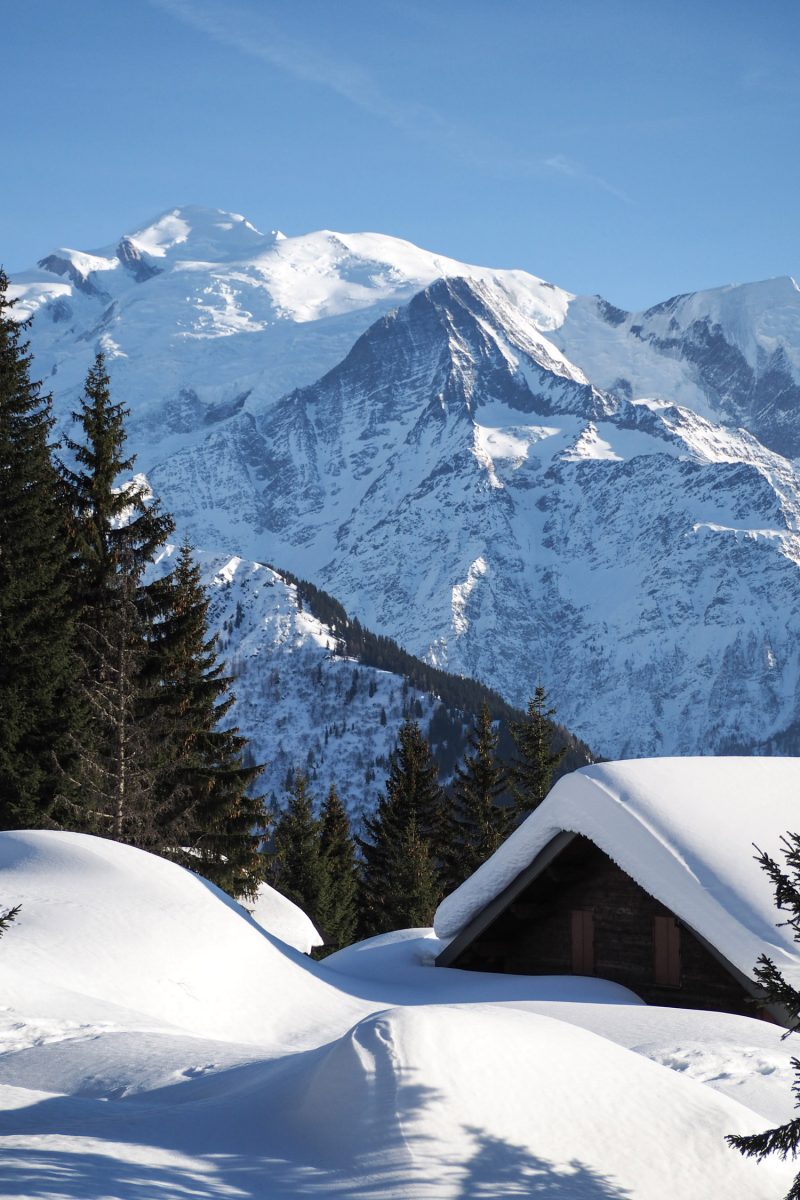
<point>254,34</point>
<point>249,32</point>
<point>561,165</point>
<point>769,80</point>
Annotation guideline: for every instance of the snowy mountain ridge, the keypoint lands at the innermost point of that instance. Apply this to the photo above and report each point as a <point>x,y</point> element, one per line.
<point>513,482</point>
<point>300,702</point>
<point>730,353</point>
<point>199,309</point>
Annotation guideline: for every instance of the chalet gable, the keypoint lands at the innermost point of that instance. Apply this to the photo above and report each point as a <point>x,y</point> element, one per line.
<point>575,911</point>
<point>673,839</point>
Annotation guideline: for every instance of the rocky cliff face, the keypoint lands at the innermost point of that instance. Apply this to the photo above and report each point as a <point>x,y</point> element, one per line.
<point>480,502</point>
<point>513,482</point>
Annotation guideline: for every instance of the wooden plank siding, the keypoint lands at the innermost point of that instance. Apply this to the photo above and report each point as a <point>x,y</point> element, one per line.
<point>584,915</point>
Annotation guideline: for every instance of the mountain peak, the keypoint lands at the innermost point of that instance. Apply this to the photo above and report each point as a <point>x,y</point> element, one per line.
<point>194,232</point>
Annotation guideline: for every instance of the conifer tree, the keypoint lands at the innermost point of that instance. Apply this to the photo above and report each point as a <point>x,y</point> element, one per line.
<point>413,800</point>
<point>337,911</point>
<point>784,1140</point>
<point>114,533</point>
<point>531,773</point>
<point>7,917</point>
<point>36,633</point>
<point>296,868</point>
<point>413,884</point>
<point>481,822</point>
<point>206,815</point>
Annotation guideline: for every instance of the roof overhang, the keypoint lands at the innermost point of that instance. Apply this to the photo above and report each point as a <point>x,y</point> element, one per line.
<point>501,901</point>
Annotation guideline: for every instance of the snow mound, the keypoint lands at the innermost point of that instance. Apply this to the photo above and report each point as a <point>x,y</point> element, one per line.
<point>204,1057</point>
<point>684,829</point>
<point>285,920</point>
<point>125,928</point>
<point>407,957</point>
<point>454,1100</point>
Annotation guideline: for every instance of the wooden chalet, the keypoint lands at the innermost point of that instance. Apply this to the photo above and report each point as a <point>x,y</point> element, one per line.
<point>594,884</point>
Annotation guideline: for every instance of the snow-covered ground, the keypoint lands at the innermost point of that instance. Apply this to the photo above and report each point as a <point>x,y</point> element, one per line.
<point>156,1041</point>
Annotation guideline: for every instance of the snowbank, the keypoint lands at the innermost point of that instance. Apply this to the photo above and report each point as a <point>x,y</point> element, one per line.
<point>154,1040</point>
<point>123,927</point>
<point>684,829</point>
<point>469,1101</point>
<point>284,920</point>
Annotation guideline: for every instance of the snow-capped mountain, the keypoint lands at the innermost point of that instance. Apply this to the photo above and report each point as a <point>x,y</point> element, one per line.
<point>303,703</point>
<point>471,495</point>
<point>732,354</point>
<point>201,316</point>
<point>513,482</point>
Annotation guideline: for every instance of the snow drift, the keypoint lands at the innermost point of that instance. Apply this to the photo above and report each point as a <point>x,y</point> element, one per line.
<point>157,1041</point>
<point>117,925</point>
<point>283,919</point>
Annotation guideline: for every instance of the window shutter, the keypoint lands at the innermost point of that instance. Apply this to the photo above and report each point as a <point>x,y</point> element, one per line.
<point>582,942</point>
<point>666,952</point>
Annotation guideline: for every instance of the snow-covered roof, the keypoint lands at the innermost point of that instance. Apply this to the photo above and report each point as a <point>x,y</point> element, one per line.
<point>684,829</point>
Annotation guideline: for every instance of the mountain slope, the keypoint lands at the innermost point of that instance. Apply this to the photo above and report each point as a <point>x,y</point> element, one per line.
<point>731,354</point>
<point>495,473</point>
<point>463,489</point>
<point>316,692</point>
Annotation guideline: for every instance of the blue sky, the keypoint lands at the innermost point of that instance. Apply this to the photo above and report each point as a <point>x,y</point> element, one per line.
<point>615,146</point>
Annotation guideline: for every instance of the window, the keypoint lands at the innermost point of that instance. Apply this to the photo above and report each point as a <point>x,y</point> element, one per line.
<point>666,952</point>
<point>582,942</point>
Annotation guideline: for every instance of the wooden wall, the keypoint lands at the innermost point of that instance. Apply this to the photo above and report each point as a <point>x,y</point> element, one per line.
<point>584,912</point>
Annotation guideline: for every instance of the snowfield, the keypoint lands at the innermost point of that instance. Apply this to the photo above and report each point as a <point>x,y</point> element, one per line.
<point>155,1040</point>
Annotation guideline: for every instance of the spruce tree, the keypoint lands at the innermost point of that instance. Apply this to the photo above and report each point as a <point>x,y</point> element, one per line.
<point>114,533</point>
<point>296,868</point>
<point>784,1140</point>
<point>207,817</point>
<point>413,884</point>
<point>7,917</point>
<point>36,632</point>
<point>531,773</point>
<point>481,822</point>
<point>337,911</point>
<point>413,800</point>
